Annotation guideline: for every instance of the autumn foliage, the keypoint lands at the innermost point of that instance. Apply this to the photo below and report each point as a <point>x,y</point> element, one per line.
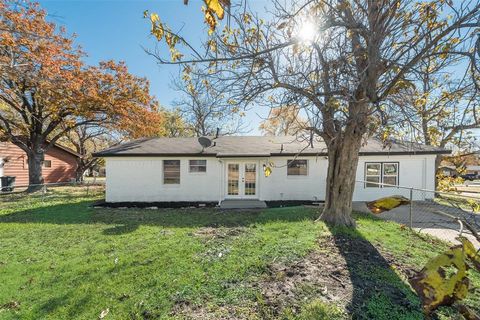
<point>284,121</point>
<point>46,90</point>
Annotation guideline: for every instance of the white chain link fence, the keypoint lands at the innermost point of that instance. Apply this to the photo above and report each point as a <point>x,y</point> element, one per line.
<point>442,214</point>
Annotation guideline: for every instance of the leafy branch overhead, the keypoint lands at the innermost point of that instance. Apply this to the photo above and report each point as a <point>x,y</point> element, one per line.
<point>213,11</point>
<point>347,65</point>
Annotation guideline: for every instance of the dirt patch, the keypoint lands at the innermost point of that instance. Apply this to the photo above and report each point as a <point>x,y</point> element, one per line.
<point>190,312</point>
<point>209,233</point>
<point>12,305</point>
<point>346,271</point>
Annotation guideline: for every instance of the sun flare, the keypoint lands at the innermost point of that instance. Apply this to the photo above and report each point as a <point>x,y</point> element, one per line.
<point>308,31</point>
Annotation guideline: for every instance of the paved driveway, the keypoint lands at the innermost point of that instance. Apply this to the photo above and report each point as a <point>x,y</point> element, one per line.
<point>425,219</point>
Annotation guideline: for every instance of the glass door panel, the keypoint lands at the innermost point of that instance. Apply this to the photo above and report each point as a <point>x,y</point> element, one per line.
<point>250,179</point>
<point>233,179</point>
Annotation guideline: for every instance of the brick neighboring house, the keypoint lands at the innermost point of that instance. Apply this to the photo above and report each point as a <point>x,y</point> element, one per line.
<point>59,165</point>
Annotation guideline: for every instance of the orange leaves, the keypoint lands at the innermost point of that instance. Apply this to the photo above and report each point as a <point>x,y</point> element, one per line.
<point>122,99</point>
<point>58,91</point>
<point>284,120</point>
<point>43,59</point>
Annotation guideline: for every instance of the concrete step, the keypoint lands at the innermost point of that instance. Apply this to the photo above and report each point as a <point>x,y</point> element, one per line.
<point>242,204</point>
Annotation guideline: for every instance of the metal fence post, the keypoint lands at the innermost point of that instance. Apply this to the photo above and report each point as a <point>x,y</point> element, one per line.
<point>411,208</point>
<point>44,191</point>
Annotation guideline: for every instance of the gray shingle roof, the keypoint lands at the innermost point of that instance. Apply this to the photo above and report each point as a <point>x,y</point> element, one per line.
<point>253,146</point>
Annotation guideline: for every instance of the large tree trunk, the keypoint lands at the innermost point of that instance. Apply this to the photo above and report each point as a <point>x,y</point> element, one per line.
<point>79,173</point>
<point>83,165</point>
<point>343,153</point>
<point>438,160</point>
<point>35,165</point>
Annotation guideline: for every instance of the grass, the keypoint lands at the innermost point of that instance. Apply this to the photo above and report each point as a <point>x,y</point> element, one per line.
<point>61,258</point>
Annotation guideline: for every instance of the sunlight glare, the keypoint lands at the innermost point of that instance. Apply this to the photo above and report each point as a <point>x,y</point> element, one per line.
<point>308,31</point>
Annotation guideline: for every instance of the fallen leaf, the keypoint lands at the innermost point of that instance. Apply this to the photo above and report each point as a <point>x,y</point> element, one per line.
<point>104,313</point>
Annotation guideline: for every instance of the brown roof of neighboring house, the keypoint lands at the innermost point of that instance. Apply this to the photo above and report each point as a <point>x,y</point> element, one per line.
<point>253,146</point>
<point>59,146</point>
<point>66,149</point>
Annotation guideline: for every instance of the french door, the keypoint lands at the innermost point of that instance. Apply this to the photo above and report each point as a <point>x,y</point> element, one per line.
<point>241,180</point>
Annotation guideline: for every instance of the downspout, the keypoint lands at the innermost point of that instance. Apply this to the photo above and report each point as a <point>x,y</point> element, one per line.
<point>222,181</point>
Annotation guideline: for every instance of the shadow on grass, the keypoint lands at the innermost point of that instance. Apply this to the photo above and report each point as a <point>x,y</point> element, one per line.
<point>378,292</point>
<point>128,220</point>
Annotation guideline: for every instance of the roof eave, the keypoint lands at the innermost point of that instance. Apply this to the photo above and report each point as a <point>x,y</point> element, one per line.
<point>411,153</point>
<point>114,155</point>
<point>287,154</point>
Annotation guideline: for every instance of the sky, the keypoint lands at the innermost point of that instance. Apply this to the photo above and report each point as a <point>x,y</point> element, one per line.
<point>116,29</point>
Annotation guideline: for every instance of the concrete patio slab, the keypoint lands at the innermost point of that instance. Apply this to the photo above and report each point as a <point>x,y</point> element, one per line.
<point>242,204</point>
<point>425,219</point>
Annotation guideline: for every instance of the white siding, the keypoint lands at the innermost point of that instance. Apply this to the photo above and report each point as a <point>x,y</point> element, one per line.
<point>140,179</point>
<point>414,172</point>
<point>280,186</point>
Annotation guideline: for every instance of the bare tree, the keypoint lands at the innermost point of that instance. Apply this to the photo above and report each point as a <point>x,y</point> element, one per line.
<point>440,107</point>
<point>284,121</point>
<point>204,108</point>
<point>86,140</point>
<point>339,60</point>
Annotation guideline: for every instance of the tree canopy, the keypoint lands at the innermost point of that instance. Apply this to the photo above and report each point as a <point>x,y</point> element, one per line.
<point>48,91</point>
<point>340,61</point>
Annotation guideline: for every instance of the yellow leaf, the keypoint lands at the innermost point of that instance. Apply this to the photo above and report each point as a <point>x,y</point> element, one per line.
<point>267,171</point>
<point>217,7</point>
<point>386,204</point>
<point>443,280</point>
<point>154,18</point>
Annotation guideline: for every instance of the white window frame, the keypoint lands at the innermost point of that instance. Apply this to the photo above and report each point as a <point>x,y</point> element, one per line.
<point>396,175</point>
<point>381,174</point>
<point>298,175</point>
<point>196,165</point>
<point>179,172</point>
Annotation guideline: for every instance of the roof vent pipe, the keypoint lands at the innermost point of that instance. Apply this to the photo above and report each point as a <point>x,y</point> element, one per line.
<point>217,134</point>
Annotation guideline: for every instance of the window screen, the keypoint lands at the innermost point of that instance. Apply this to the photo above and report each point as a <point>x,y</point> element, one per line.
<point>373,173</point>
<point>297,168</point>
<point>171,171</point>
<point>198,165</point>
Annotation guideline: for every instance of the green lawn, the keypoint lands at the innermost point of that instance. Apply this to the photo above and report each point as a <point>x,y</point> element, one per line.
<point>62,259</point>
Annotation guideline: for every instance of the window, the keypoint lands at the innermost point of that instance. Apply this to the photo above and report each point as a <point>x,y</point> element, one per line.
<point>373,174</point>
<point>198,165</point>
<point>297,167</point>
<point>390,173</point>
<point>381,172</point>
<point>171,171</point>
<point>47,164</point>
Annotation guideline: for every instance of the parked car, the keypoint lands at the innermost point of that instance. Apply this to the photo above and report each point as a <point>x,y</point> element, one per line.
<point>469,176</point>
